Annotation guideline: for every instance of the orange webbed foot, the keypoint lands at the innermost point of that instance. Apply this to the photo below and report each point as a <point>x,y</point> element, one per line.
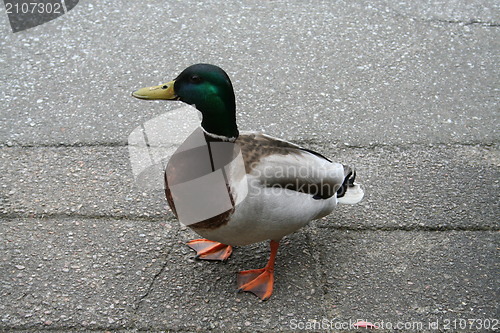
<point>259,282</point>
<point>210,250</point>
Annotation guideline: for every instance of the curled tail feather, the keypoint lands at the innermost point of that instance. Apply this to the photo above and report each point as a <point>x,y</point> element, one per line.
<point>350,192</point>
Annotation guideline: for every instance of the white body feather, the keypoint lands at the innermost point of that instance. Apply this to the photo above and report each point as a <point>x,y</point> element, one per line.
<point>274,212</point>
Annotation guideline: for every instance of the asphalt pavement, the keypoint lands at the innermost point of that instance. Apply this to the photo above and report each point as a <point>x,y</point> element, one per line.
<point>406,92</point>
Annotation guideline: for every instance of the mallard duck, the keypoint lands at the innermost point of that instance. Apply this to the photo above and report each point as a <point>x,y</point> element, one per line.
<point>237,188</point>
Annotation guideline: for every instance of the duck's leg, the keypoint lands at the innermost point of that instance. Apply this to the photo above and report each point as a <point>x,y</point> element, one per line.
<point>210,250</point>
<point>260,281</point>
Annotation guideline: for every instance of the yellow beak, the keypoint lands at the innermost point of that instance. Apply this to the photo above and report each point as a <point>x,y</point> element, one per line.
<point>163,91</point>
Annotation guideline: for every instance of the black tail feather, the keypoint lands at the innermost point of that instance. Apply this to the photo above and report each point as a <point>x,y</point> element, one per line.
<point>348,181</point>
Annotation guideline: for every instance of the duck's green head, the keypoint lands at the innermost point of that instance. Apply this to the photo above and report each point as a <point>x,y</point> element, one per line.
<point>208,88</point>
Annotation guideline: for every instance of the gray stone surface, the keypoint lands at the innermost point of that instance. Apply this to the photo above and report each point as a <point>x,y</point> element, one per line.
<point>385,71</point>
<point>410,276</point>
<point>444,187</point>
<point>115,274</point>
<point>405,91</point>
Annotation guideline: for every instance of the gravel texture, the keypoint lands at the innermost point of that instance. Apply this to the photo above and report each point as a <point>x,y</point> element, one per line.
<point>405,91</point>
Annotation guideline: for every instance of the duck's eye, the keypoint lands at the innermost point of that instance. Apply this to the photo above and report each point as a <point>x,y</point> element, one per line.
<point>195,79</point>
